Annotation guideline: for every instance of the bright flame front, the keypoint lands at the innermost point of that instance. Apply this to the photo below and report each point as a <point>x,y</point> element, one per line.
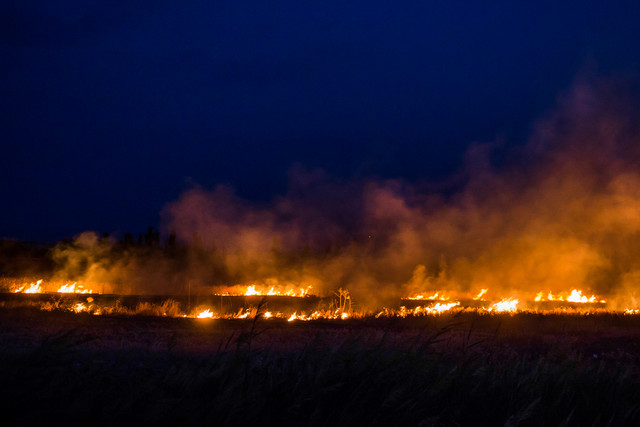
<point>506,305</point>
<point>205,314</point>
<point>32,288</point>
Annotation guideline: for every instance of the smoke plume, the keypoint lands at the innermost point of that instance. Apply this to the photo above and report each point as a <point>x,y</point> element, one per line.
<point>561,212</point>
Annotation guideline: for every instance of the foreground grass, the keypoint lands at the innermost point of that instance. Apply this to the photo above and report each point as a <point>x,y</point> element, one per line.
<point>357,375</point>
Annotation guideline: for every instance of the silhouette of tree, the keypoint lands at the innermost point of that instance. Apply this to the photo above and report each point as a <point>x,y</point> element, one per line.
<point>152,237</point>
<point>127,241</point>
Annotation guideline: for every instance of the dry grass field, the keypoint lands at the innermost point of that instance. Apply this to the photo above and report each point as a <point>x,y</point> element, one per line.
<point>451,369</point>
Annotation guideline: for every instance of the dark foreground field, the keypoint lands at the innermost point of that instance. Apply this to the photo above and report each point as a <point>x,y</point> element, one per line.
<point>465,369</point>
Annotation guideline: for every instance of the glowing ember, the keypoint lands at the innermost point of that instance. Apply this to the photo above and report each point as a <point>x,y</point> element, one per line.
<point>506,305</point>
<point>267,315</point>
<point>206,314</point>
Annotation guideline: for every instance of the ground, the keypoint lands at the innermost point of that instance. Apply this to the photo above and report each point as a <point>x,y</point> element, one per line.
<point>454,369</point>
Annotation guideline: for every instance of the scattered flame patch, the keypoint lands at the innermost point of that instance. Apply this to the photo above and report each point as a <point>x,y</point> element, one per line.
<point>255,290</point>
<point>206,314</point>
<point>320,314</point>
<point>31,288</point>
<point>441,308</point>
<point>574,296</point>
<point>480,296</point>
<point>437,308</point>
<point>72,289</point>
<point>79,307</point>
<point>439,296</point>
<point>506,305</point>
<point>39,288</point>
<point>244,315</point>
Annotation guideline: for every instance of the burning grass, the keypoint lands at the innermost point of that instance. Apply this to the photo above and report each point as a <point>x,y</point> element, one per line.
<point>302,305</point>
<point>265,290</point>
<point>431,361</point>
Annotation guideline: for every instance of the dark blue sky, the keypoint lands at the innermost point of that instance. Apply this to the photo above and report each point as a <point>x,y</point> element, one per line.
<point>109,110</point>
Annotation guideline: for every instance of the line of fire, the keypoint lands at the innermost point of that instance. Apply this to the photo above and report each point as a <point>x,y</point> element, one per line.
<point>241,302</point>
<point>125,277</point>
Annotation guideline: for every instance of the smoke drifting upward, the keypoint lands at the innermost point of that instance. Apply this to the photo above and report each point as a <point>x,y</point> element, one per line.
<point>563,213</point>
<point>121,268</point>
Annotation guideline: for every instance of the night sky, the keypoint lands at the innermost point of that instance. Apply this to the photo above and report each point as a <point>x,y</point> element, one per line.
<point>111,110</point>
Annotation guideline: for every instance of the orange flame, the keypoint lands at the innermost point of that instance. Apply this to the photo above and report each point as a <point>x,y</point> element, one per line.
<point>34,288</point>
<point>441,308</point>
<point>436,296</point>
<point>254,290</point>
<point>506,305</point>
<point>79,307</point>
<point>481,294</point>
<point>206,314</point>
<point>71,289</point>
<point>574,296</point>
